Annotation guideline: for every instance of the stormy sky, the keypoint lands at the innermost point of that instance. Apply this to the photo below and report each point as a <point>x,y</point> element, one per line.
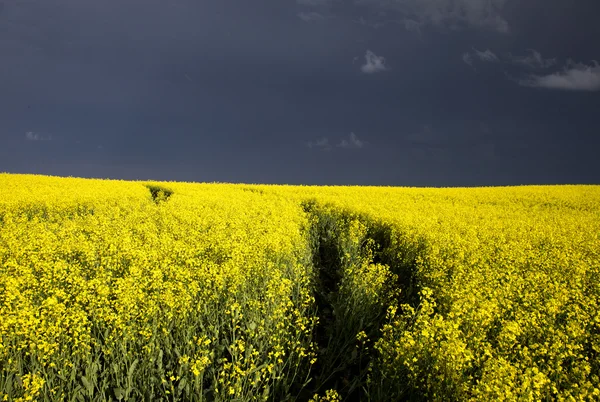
<point>369,92</point>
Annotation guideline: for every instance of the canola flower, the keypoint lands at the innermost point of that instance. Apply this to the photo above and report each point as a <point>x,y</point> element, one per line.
<point>500,289</point>
<point>106,294</point>
<point>115,290</point>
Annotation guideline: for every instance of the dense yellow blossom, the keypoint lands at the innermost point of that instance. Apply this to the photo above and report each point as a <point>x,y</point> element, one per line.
<point>178,291</point>
<point>108,294</point>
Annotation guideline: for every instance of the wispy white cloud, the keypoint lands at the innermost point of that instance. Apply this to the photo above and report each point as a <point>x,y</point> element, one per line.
<point>407,23</point>
<point>321,143</point>
<point>351,142</point>
<point>373,63</point>
<point>533,60</point>
<point>467,58</point>
<point>33,136</point>
<point>486,55</point>
<point>315,10</point>
<point>573,77</point>
<point>310,16</point>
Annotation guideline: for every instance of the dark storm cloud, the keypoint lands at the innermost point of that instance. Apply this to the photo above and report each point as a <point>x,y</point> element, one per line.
<point>258,91</point>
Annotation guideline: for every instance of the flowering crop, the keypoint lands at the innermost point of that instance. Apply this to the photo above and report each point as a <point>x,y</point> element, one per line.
<point>499,290</point>
<point>105,294</point>
<point>114,290</point>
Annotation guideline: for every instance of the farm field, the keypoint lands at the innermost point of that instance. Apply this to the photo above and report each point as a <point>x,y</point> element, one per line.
<point>116,290</point>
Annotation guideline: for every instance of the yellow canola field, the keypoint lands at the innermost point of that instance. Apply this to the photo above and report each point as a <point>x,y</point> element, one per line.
<point>106,294</point>
<point>501,289</point>
<point>112,291</point>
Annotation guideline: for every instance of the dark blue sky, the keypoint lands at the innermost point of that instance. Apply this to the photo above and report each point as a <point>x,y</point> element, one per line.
<point>382,92</point>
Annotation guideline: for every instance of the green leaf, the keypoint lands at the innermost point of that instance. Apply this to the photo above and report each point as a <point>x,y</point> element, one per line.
<point>160,360</point>
<point>88,386</point>
<point>73,373</point>
<point>9,383</point>
<point>119,393</point>
<point>181,385</point>
<point>132,368</point>
<point>78,393</point>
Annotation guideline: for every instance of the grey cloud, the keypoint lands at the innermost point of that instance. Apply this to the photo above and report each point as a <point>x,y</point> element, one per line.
<point>453,14</point>
<point>373,63</point>
<point>467,58</point>
<point>573,77</point>
<point>310,16</point>
<point>408,24</point>
<point>114,73</point>
<point>321,143</point>
<point>351,142</point>
<point>32,136</point>
<point>533,60</point>
<point>315,3</point>
<point>412,26</point>
<point>486,55</point>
